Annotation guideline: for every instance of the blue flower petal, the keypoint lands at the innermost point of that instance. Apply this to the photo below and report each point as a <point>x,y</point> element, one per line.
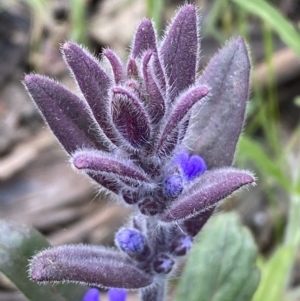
<point>116,294</point>
<point>92,295</point>
<point>182,159</point>
<point>195,167</point>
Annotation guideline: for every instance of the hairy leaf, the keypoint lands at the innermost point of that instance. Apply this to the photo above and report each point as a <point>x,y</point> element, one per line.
<point>88,265</point>
<point>206,192</point>
<point>221,266</point>
<point>179,50</point>
<point>72,127</point>
<point>215,128</point>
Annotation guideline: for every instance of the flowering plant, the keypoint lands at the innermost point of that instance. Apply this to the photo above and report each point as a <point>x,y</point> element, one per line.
<point>157,135</point>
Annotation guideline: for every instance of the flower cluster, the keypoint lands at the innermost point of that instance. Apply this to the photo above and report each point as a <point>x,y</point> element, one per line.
<point>138,129</point>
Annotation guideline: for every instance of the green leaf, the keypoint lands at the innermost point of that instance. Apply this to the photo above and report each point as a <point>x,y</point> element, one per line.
<point>221,265</point>
<point>274,275</point>
<point>18,244</point>
<point>272,16</point>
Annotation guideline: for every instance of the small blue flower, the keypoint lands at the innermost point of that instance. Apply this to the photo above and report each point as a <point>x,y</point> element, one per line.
<point>192,166</point>
<point>117,294</point>
<point>92,295</point>
<point>114,294</point>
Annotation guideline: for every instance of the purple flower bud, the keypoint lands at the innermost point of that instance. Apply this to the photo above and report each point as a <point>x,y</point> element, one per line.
<point>163,264</point>
<point>131,241</point>
<point>181,245</point>
<point>173,186</point>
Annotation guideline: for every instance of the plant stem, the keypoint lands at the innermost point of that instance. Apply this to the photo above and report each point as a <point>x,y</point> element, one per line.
<point>155,292</point>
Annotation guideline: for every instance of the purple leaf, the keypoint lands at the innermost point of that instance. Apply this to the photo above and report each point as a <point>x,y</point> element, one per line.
<point>72,127</point>
<point>180,110</point>
<point>130,117</point>
<point>206,192</point>
<point>194,224</point>
<point>106,181</point>
<point>95,161</point>
<point>156,103</point>
<point>145,39</point>
<point>150,206</point>
<point>179,50</point>
<point>132,69</point>
<point>216,128</point>
<point>93,266</point>
<point>94,84</point>
<point>130,196</point>
<point>116,65</point>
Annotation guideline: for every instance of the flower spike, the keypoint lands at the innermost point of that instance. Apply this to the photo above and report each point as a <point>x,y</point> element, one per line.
<point>158,136</point>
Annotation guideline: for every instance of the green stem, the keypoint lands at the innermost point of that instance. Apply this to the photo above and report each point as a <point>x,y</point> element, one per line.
<point>292,235</point>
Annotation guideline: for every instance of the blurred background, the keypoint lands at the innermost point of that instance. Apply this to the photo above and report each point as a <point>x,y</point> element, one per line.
<point>37,185</point>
